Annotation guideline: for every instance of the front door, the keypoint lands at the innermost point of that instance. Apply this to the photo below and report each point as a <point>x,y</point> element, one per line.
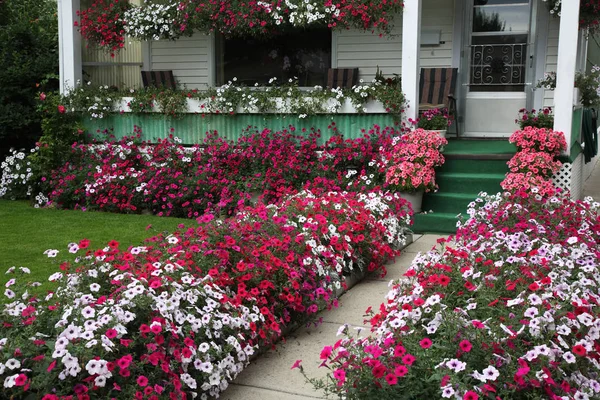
<point>497,65</point>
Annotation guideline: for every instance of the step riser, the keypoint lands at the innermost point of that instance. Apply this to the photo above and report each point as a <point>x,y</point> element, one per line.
<point>430,223</point>
<point>474,166</point>
<point>446,205</point>
<point>472,186</point>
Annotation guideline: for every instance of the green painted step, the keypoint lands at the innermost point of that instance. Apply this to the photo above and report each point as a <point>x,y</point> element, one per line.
<point>435,223</point>
<point>471,147</point>
<point>468,182</point>
<point>465,165</point>
<point>452,203</point>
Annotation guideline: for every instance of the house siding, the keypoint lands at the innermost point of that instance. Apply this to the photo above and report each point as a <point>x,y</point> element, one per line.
<point>190,59</point>
<point>355,48</point>
<point>551,57</point>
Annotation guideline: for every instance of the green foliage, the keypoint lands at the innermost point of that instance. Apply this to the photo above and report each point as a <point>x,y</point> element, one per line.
<point>28,63</point>
<point>61,128</point>
<point>538,119</point>
<point>285,98</point>
<point>588,85</point>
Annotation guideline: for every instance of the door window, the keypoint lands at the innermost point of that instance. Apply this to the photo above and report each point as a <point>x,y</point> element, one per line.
<point>499,36</point>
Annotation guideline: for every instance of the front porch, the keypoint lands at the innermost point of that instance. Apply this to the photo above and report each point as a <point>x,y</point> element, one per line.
<point>497,77</point>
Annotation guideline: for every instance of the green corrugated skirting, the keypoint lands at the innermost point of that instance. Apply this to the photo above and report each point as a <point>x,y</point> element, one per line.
<point>192,128</point>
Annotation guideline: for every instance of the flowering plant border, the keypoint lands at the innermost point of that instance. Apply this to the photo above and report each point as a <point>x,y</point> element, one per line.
<point>181,316</point>
<point>508,311</point>
<point>286,98</point>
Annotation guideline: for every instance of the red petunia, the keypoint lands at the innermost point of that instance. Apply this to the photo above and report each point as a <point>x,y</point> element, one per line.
<point>465,346</point>
<point>579,350</point>
<point>470,395</point>
<point>425,343</point>
<point>142,380</point>
<point>391,379</point>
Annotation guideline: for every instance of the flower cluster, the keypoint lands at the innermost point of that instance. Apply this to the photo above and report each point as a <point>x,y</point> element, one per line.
<point>105,23</point>
<point>508,311</point>
<point>434,119</point>
<point>589,13</point>
<point>169,179</point>
<point>15,182</point>
<point>534,164</point>
<point>538,119</point>
<point>102,23</point>
<point>413,160</point>
<point>181,316</point>
<point>152,21</point>
<point>587,83</point>
<point>232,98</point>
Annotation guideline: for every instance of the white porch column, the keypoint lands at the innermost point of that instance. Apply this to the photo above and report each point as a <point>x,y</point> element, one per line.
<point>69,45</point>
<point>565,70</point>
<point>411,44</point>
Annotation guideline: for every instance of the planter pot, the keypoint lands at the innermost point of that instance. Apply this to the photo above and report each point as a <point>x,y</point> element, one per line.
<point>441,132</point>
<point>414,198</point>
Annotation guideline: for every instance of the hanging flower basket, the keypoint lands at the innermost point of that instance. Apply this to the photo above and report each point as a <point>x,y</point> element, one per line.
<point>589,13</point>
<point>107,22</point>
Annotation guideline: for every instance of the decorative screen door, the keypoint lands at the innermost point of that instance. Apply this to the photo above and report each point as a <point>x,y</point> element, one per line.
<point>497,64</point>
<point>498,48</point>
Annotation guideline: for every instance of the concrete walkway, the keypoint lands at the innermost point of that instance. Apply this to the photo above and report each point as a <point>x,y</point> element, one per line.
<point>269,377</point>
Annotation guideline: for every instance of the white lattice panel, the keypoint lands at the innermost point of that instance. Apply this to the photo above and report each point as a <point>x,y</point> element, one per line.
<point>577,178</point>
<point>570,177</point>
<point>562,179</point>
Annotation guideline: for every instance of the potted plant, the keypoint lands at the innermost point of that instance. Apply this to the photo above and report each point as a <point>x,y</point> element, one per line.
<point>586,89</point>
<point>436,120</point>
<point>537,119</point>
<point>412,165</point>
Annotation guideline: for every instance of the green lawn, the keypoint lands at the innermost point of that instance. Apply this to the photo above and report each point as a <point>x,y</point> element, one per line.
<point>26,232</point>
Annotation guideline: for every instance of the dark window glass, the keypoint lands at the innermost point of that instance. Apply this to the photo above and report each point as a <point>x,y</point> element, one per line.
<point>508,19</point>
<point>301,54</point>
<point>498,63</point>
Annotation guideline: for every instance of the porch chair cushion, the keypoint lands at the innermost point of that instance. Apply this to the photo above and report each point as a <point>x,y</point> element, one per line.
<point>437,87</point>
<point>158,79</point>
<point>342,77</point>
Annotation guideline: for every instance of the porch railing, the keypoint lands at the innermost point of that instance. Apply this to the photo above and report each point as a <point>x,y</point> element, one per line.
<point>498,64</point>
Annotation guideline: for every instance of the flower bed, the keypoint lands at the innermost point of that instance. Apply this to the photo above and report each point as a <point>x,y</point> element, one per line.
<point>169,179</point>
<point>510,311</point>
<point>182,315</point>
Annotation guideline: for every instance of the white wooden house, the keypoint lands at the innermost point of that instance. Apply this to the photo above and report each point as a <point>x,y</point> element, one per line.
<point>500,47</point>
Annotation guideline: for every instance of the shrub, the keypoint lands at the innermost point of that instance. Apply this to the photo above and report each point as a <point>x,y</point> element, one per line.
<point>509,311</point>
<point>28,63</point>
